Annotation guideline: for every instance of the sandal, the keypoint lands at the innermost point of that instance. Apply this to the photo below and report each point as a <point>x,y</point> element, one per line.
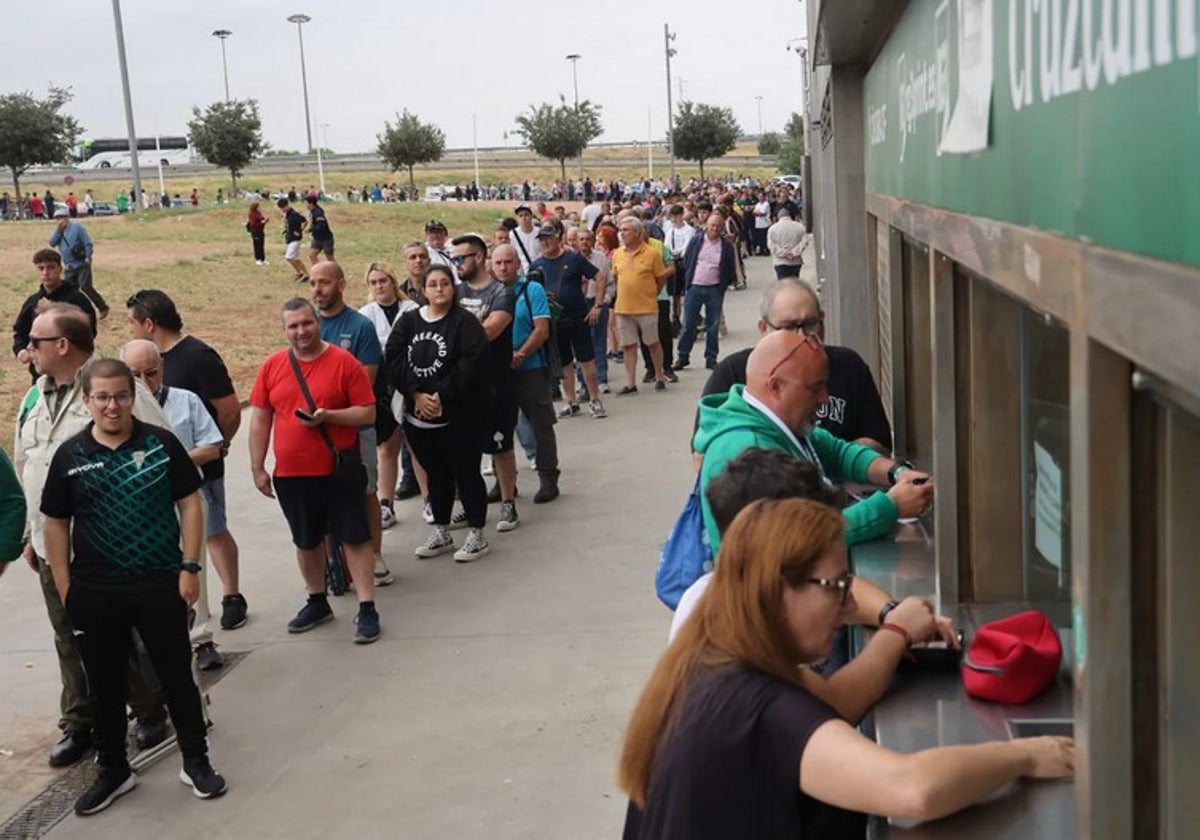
<point>626,390</point>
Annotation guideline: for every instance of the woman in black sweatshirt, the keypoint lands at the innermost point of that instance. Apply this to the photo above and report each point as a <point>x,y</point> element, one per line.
<point>436,358</point>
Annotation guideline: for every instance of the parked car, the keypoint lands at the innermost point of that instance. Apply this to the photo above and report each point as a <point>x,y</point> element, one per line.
<point>104,208</point>
<point>794,180</point>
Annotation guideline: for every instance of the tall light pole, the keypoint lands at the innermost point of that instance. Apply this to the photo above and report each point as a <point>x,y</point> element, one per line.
<point>300,20</point>
<point>320,166</point>
<point>668,37</point>
<point>223,34</point>
<point>133,141</point>
<point>574,59</point>
<point>760,132</point>
<point>800,47</point>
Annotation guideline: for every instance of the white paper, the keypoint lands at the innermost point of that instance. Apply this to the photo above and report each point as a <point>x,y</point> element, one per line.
<point>1047,505</point>
<point>968,127</point>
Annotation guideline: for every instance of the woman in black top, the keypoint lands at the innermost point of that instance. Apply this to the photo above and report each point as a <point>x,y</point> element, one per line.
<point>435,358</point>
<point>726,742</point>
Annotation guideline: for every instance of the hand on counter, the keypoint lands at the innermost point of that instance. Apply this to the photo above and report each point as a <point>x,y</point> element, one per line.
<point>1050,757</point>
<point>912,493</point>
<point>915,616</point>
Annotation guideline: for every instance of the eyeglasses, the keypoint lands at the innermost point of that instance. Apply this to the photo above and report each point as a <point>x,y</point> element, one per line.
<point>35,340</point>
<point>810,340</point>
<point>840,584</point>
<point>459,259</point>
<point>808,326</point>
<point>124,399</point>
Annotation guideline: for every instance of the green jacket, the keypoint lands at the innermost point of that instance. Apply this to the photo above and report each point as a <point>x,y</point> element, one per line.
<point>729,426</point>
<point>12,512</point>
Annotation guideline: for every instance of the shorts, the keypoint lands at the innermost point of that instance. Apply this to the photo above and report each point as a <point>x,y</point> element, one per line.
<point>323,245</point>
<point>498,435</point>
<point>367,440</point>
<point>213,491</point>
<point>574,339</point>
<point>315,507</point>
<point>291,251</point>
<point>631,328</point>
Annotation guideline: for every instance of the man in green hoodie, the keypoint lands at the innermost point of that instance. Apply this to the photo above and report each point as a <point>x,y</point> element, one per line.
<point>786,379</point>
<point>12,514</point>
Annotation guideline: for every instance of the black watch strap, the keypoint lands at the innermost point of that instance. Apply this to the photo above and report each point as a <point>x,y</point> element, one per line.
<point>884,610</point>
<point>894,472</point>
<point>190,566</point>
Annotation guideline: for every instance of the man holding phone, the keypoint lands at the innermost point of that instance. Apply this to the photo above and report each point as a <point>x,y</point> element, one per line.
<point>313,486</point>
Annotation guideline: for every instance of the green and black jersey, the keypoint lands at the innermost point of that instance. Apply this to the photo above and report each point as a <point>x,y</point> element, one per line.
<point>122,503</point>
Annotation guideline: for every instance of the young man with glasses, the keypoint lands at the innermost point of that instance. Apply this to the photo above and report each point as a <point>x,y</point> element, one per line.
<point>61,343</point>
<point>119,499</point>
<point>853,411</point>
<point>435,243</point>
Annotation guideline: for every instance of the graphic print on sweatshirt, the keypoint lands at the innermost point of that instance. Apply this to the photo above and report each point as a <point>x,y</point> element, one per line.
<point>427,354</point>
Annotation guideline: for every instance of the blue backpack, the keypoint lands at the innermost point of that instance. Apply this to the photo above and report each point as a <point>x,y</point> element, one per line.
<point>686,555</point>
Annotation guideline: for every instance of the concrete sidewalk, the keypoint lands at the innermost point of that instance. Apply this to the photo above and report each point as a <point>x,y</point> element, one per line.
<point>494,703</point>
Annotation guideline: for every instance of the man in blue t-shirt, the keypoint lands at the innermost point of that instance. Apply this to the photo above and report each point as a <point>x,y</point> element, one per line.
<point>530,361</point>
<point>344,327</point>
<point>566,274</point>
<point>322,235</point>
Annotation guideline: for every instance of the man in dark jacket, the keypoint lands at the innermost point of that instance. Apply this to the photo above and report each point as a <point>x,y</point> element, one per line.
<point>53,289</point>
<point>709,268</point>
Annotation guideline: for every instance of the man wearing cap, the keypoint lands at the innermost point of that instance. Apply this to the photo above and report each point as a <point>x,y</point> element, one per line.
<point>435,241</point>
<point>525,237</point>
<point>72,240</point>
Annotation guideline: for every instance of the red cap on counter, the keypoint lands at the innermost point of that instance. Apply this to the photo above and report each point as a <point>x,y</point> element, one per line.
<point>1012,660</point>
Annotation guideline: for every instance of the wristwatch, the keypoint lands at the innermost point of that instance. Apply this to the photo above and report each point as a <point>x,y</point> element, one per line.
<point>190,566</point>
<point>897,468</point>
<point>884,610</point>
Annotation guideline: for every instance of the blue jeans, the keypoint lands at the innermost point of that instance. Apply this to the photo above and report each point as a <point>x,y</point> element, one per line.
<point>525,436</point>
<point>600,342</point>
<point>711,298</point>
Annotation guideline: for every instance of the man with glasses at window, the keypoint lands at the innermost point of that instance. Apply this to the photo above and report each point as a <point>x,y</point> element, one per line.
<point>853,411</point>
<point>786,383</point>
<point>61,343</point>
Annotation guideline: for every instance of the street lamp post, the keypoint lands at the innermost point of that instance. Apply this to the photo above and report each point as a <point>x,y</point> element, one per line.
<point>300,20</point>
<point>668,37</point>
<point>223,34</point>
<point>760,131</point>
<point>320,166</point>
<point>574,59</point>
<point>133,143</point>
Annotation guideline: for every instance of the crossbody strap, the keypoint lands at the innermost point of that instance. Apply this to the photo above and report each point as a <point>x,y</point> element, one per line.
<point>532,325</point>
<point>312,406</point>
<point>521,245</point>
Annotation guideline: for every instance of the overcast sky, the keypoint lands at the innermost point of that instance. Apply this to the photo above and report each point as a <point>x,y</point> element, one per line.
<point>441,60</point>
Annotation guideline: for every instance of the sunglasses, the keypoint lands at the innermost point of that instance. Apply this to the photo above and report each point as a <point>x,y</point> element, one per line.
<point>35,340</point>
<point>459,259</point>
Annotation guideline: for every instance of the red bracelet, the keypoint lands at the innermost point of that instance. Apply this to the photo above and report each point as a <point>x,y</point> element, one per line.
<point>896,628</point>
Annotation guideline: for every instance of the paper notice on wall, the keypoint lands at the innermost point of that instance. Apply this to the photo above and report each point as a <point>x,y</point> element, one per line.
<point>1047,506</point>
<point>967,130</point>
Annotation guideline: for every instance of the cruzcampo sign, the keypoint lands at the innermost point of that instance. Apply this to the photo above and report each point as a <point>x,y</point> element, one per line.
<point>1080,117</point>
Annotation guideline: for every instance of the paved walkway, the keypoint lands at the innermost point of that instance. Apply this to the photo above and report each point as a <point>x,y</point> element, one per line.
<point>493,705</point>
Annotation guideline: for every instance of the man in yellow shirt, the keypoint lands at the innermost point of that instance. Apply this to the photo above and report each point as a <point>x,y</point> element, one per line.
<point>641,274</point>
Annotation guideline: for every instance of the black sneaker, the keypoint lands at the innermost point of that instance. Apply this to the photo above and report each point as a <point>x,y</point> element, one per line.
<point>233,611</point>
<point>108,786</point>
<point>150,732</point>
<point>407,490</point>
<point>310,615</point>
<point>366,626</point>
<point>198,774</point>
<point>208,658</point>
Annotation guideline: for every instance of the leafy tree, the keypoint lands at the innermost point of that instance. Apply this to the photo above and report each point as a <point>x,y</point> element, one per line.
<point>703,132</point>
<point>34,131</point>
<point>410,142</point>
<point>769,143</point>
<point>560,131</point>
<point>228,134</point>
<point>791,153</point>
<point>794,129</point>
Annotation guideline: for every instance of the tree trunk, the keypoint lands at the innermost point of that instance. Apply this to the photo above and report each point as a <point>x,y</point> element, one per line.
<point>412,184</point>
<point>702,170</point>
<point>17,185</point>
<point>233,177</point>
<point>562,164</point>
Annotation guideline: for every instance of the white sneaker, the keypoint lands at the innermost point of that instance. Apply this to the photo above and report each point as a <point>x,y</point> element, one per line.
<point>597,408</point>
<point>427,513</point>
<point>488,468</point>
<point>439,542</point>
<point>459,520</point>
<point>474,547</point>
<point>508,517</point>
<point>387,517</point>
<point>383,575</point>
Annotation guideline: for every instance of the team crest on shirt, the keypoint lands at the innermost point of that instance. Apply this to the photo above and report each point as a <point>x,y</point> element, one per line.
<point>139,458</point>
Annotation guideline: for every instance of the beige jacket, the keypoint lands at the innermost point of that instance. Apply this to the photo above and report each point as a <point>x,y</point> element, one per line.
<point>38,437</point>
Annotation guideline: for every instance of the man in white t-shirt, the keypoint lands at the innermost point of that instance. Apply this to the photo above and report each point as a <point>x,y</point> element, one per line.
<point>591,212</point>
<point>762,221</point>
<point>524,237</point>
<point>677,235</point>
<point>435,241</point>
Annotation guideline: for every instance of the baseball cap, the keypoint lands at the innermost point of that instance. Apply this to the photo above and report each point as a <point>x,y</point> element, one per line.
<point>1012,660</point>
<point>434,225</point>
<point>524,207</point>
<point>549,228</point>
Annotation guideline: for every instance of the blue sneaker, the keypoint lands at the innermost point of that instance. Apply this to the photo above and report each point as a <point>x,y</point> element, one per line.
<point>310,615</point>
<point>366,626</point>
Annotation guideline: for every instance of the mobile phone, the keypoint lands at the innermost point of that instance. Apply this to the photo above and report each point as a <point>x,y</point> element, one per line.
<point>916,481</point>
<point>304,415</point>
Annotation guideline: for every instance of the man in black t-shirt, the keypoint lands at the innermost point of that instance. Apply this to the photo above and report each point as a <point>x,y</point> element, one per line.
<point>191,364</point>
<point>293,233</point>
<point>854,411</point>
<point>322,235</point>
<point>110,500</point>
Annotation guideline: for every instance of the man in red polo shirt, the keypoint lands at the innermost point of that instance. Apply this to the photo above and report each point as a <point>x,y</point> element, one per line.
<point>314,492</point>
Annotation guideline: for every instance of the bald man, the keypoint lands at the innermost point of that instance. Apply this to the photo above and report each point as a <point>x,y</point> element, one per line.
<point>786,383</point>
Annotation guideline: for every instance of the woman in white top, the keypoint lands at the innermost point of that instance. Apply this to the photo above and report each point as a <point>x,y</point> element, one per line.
<point>387,304</point>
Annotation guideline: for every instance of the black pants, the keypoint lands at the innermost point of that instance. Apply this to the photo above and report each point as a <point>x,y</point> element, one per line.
<point>451,456</point>
<point>104,620</point>
<point>664,338</point>
<point>81,276</point>
<point>531,390</point>
<point>260,252</point>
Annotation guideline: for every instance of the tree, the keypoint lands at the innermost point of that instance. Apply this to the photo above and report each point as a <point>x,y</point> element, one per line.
<point>410,142</point>
<point>560,131</point>
<point>791,153</point>
<point>228,134</point>
<point>703,132</point>
<point>35,131</point>
<point>769,143</point>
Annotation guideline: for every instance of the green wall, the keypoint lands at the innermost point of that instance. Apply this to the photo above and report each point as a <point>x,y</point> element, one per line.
<point>1116,161</point>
